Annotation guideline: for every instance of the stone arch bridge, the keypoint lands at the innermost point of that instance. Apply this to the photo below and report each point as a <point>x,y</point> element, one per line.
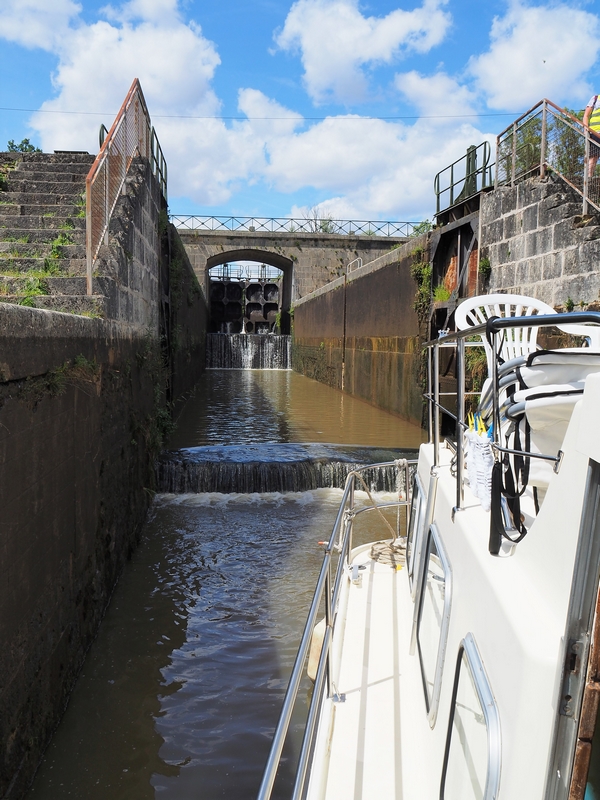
<point>308,260</point>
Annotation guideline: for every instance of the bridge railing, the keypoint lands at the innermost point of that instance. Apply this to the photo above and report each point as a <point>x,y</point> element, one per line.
<point>548,138</point>
<point>291,225</point>
<point>131,135</point>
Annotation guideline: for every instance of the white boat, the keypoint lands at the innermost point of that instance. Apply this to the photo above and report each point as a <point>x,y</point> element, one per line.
<point>460,658</point>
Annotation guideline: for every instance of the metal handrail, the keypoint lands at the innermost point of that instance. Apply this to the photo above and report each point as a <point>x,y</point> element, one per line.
<point>130,136</point>
<point>325,226</point>
<point>547,138</point>
<point>493,327</point>
<point>328,591</point>
<point>471,179</point>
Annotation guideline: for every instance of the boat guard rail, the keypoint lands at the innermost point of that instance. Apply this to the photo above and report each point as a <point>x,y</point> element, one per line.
<point>327,591</point>
<point>130,136</point>
<point>458,340</point>
<point>548,138</point>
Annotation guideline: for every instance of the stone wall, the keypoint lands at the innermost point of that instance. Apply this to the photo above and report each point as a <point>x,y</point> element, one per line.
<point>127,270</point>
<point>362,334</point>
<point>82,416</point>
<point>539,244</point>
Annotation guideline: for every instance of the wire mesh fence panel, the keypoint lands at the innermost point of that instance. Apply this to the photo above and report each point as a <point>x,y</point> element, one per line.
<point>131,136</point>
<point>549,138</point>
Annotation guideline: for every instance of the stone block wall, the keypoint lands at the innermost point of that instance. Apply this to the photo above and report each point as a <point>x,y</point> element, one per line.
<point>131,260</point>
<point>539,244</point>
<point>361,334</point>
<point>79,432</point>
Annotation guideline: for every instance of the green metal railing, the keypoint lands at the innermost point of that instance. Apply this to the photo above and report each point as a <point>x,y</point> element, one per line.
<point>464,178</point>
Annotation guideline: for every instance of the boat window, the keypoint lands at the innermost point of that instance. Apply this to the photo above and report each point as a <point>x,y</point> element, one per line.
<point>433,619</point>
<point>473,747</point>
<point>415,524</point>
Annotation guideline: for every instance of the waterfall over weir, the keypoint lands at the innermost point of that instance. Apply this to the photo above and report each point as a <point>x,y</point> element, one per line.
<point>247,351</point>
<point>274,468</point>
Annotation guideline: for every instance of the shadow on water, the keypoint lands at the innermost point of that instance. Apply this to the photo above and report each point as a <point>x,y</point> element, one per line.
<point>183,687</point>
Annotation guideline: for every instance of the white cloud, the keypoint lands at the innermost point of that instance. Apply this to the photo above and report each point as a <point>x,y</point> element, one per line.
<point>372,168</point>
<point>36,23</point>
<point>536,52</point>
<point>336,42</point>
<point>175,79</point>
<point>435,94</point>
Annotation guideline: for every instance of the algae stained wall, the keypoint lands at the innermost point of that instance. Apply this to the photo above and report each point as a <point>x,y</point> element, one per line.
<point>361,334</point>
<point>82,413</point>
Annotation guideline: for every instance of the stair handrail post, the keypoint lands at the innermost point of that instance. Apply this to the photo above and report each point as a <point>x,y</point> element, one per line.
<point>543,142</point>
<point>586,177</point>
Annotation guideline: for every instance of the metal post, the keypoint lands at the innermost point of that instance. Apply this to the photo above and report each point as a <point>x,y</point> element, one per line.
<point>460,416</point>
<point>543,147</point>
<point>328,624</point>
<point>586,180</point>
<point>429,395</point>
<point>88,237</point>
<point>514,155</point>
<point>436,407</point>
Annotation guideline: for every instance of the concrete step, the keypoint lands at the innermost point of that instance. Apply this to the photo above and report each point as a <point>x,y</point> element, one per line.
<point>19,236</point>
<point>92,306</point>
<point>48,160</point>
<point>29,222</point>
<point>23,284</point>
<point>9,209</point>
<point>60,249</point>
<point>49,199</point>
<point>43,266</point>
<point>19,184</point>
<point>51,172</point>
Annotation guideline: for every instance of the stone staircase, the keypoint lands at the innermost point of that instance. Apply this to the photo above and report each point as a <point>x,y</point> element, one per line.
<point>42,233</point>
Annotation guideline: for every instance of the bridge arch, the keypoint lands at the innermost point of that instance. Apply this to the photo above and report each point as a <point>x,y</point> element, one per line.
<point>286,265</point>
<point>281,262</point>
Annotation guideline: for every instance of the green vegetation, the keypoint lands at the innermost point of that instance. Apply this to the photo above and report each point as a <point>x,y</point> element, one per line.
<point>569,304</point>
<point>33,287</point>
<point>485,268</point>
<point>441,294</point>
<point>24,146</point>
<point>79,372</point>
<point>421,272</point>
<point>422,227</point>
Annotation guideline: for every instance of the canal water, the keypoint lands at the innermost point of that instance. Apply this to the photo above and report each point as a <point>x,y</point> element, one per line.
<point>181,690</point>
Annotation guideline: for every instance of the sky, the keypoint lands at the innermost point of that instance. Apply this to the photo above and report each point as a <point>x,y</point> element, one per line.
<point>274,108</point>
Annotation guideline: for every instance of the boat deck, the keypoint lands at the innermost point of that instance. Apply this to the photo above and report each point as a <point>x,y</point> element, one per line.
<point>371,736</point>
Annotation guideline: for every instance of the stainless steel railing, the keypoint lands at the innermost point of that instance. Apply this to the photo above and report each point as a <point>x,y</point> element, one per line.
<point>458,340</point>
<point>327,593</point>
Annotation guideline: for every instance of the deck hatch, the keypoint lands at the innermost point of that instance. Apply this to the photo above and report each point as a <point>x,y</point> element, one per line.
<point>472,759</point>
<point>433,619</point>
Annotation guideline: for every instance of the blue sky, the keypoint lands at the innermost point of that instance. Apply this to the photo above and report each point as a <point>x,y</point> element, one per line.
<point>348,106</point>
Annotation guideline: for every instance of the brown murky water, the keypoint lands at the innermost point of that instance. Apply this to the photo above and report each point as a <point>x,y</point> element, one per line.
<point>249,406</point>
<point>181,691</point>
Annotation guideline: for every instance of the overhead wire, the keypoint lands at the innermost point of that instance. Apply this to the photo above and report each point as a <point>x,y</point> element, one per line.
<point>296,118</point>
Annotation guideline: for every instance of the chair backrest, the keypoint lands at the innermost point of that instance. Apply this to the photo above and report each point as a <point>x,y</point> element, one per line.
<point>515,341</point>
